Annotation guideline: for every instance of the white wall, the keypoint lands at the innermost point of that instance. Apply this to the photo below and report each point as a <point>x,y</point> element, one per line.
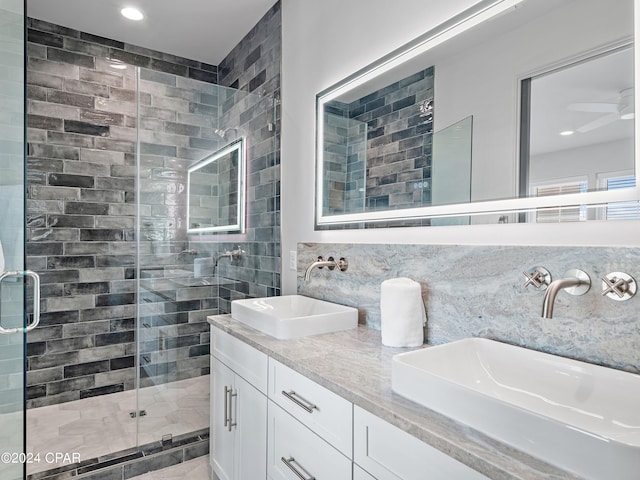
<point>590,162</point>
<point>483,81</point>
<point>323,42</point>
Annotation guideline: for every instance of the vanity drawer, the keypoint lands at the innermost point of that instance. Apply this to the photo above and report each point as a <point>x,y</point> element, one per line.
<point>244,360</point>
<point>294,451</point>
<point>388,453</point>
<point>324,412</point>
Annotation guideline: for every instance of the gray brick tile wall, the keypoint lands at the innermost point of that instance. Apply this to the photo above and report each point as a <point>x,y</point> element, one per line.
<point>254,66</point>
<point>81,205</point>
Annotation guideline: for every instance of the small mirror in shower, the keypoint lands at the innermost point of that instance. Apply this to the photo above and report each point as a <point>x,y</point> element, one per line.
<point>216,187</point>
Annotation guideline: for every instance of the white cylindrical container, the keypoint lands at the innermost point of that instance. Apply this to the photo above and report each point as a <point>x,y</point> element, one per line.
<point>402,313</point>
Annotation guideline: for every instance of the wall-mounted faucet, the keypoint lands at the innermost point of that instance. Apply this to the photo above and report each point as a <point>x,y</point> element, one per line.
<point>231,254</point>
<point>575,282</point>
<point>188,251</point>
<point>330,263</point>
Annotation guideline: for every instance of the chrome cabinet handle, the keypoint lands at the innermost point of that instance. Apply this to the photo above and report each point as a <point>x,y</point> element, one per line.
<point>289,463</point>
<point>36,299</point>
<point>232,422</point>
<point>301,402</point>
<point>228,408</point>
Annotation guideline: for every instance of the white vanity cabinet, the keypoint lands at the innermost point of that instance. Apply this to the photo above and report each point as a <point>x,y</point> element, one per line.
<point>238,409</point>
<point>271,422</point>
<point>388,453</point>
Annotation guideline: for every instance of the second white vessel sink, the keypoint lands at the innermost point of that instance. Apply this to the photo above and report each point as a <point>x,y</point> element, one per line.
<point>581,417</point>
<point>293,316</point>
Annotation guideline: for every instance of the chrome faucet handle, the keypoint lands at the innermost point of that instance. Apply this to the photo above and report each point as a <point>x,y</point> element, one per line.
<point>539,277</point>
<point>619,286</point>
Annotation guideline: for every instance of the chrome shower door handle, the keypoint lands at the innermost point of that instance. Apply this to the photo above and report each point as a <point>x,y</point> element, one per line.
<point>36,299</point>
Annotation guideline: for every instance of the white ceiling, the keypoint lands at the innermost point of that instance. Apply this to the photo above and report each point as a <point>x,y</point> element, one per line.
<point>204,30</point>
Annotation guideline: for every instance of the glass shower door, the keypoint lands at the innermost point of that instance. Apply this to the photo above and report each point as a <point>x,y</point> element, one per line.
<point>12,275</point>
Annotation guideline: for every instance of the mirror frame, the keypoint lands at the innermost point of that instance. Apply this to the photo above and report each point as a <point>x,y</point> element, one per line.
<point>462,22</point>
<point>238,145</point>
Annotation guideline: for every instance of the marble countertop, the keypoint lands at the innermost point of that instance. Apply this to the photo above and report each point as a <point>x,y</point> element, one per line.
<point>355,365</point>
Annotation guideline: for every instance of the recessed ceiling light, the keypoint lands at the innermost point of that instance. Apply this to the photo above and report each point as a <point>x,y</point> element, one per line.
<point>566,133</point>
<point>132,13</point>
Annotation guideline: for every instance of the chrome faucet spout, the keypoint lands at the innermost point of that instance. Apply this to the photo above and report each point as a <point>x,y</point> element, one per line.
<point>576,282</point>
<point>318,264</point>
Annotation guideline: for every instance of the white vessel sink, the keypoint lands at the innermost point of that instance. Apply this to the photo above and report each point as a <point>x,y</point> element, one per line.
<point>293,316</point>
<point>581,417</point>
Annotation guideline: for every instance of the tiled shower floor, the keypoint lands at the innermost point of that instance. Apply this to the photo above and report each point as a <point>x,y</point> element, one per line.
<point>102,425</point>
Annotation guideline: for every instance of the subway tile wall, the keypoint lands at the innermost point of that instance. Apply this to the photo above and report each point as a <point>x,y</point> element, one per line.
<point>398,141</point>
<point>344,159</point>
<point>393,160</point>
<point>253,66</point>
<point>82,205</point>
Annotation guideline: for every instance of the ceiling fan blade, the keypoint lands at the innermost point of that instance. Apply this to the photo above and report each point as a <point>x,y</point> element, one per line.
<point>594,107</point>
<point>599,122</point>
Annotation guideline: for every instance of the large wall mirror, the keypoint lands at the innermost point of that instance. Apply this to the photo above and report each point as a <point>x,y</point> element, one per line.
<point>515,110</point>
<point>215,191</point>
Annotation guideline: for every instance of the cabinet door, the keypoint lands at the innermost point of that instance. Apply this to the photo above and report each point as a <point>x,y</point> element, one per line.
<point>249,413</point>
<point>392,454</point>
<point>222,440</point>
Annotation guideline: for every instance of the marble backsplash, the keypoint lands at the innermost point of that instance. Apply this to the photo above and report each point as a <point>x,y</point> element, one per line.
<point>477,291</point>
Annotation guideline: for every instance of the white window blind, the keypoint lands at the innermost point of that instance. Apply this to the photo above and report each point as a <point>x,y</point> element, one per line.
<point>622,210</point>
<point>576,213</point>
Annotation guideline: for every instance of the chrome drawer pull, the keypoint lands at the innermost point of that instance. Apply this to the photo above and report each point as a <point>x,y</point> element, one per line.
<point>301,402</point>
<point>289,463</point>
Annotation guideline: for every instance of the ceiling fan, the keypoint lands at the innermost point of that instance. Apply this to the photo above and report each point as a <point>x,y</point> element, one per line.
<point>622,110</point>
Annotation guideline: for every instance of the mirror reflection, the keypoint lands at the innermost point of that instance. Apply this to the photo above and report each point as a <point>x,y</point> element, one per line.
<point>216,191</point>
<point>524,74</point>
<point>580,131</point>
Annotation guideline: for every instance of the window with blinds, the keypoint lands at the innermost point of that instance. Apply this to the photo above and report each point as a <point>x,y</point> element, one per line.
<point>576,213</point>
<point>622,210</point>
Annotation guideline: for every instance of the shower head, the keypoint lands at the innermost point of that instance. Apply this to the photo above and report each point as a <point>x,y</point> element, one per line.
<point>227,133</point>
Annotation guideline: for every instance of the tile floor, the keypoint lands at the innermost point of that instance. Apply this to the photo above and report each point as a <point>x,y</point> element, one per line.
<point>98,426</point>
<point>197,469</point>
